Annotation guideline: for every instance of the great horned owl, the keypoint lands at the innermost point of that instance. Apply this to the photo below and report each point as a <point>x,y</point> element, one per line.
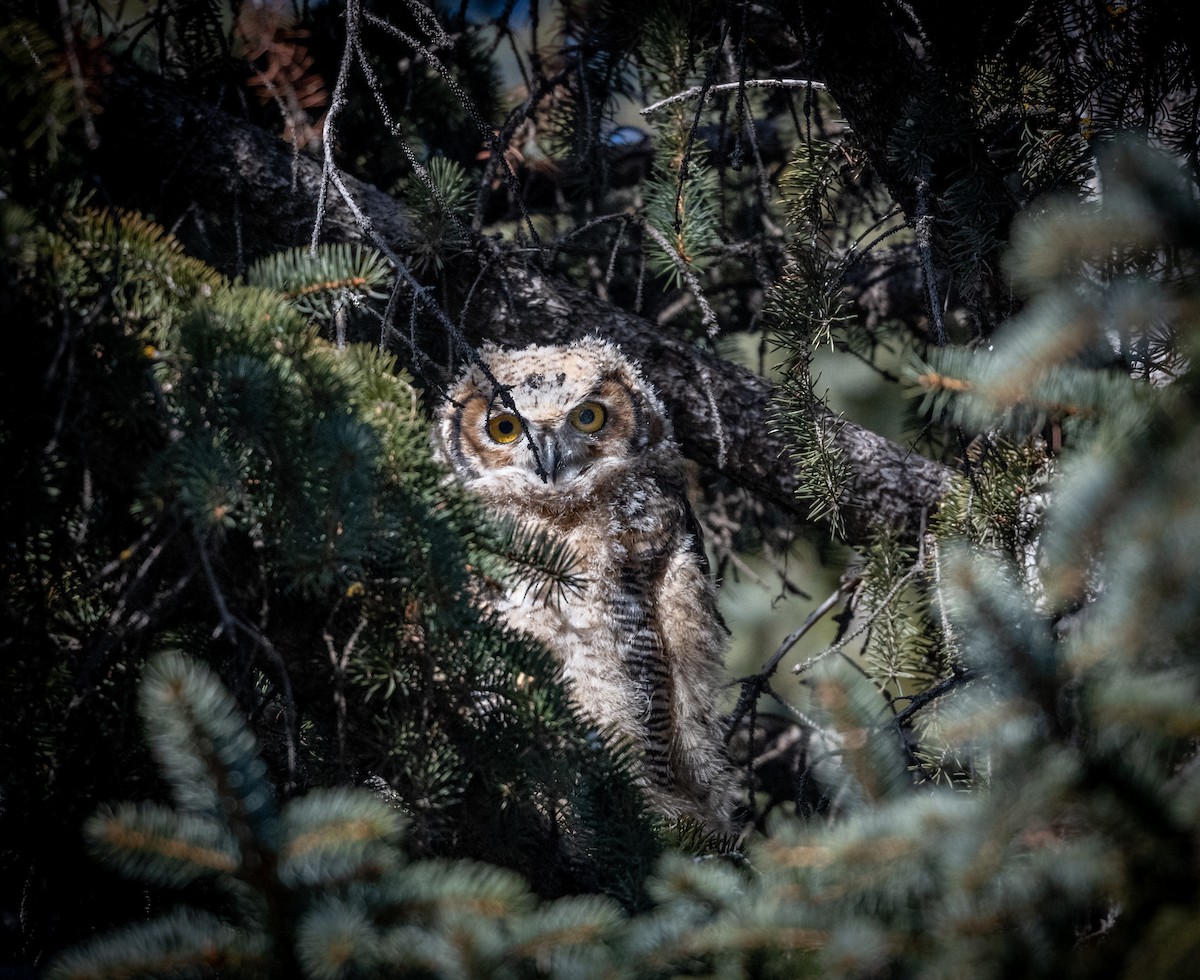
<point>572,441</point>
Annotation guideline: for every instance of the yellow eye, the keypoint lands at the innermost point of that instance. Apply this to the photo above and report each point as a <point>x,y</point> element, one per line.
<point>504,428</point>
<point>588,417</point>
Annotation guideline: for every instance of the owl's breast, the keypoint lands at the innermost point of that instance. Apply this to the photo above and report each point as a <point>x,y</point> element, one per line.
<point>551,620</point>
<point>576,624</point>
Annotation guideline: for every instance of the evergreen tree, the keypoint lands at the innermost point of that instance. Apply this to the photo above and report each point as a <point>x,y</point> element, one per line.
<point>315,887</point>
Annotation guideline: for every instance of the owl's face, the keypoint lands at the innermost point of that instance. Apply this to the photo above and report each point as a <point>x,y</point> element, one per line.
<point>574,415</point>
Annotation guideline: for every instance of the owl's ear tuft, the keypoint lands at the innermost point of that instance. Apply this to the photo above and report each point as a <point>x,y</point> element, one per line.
<point>473,377</point>
<point>488,350</point>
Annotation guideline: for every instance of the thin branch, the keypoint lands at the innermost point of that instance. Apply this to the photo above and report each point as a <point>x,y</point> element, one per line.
<point>232,625</point>
<point>925,250</point>
<point>139,621</point>
<point>707,316</point>
<point>228,620</point>
<point>122,560</point>
<point>794,637</point>
<point>696,90</point>
<point>757,684</point>
<point>338,661</point>
<point>82,103</point>
<point>336,102</point>
<point>866,625</point>
<point>917,701</point>
<point>503,136</point>
<point>718,425</point>
<point>764,185</point>
<point>486,131</point>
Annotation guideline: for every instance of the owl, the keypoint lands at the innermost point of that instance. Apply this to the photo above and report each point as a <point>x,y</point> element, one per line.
<point>571,441</point>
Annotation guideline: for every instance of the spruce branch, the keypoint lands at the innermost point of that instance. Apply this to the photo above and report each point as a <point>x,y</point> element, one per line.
<point>147,840</point>
<point>320,283</point>
<point>207,754</point>
<point>545,565</point>
<point>181,943</point>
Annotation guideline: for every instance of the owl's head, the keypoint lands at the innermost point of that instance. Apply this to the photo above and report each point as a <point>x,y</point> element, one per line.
<point>550,420</point>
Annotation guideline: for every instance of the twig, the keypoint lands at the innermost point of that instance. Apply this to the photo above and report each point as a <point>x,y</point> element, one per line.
<point>845,640</point>
<point>137,622</point>
<point>685,163</point>
<point>764,186</point>
<point>707,316</point>
<point>715,414</point>
<point>588,225</point>
<point>122,560</point>
<point>757,684</point>
<point>81,100</point>
<point>339,662</point>
<point>336,102</point>
<point>228,620</point>
<point>925,250</point>
<point>814,617</point>
<point>503,136</point>
<point>917,701</point>
<point>232,625</point>
<point>614,252</point>
<point>696,90</point>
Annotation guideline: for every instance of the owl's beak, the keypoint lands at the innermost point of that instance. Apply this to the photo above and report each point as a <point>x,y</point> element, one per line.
<point>550,456</point>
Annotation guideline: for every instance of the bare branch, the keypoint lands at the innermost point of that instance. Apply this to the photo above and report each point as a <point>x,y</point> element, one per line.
<point>925,249</point>
<point>841,643</point>
<point>696,90</point>
<point>232,625</point>
<point>814,617</point>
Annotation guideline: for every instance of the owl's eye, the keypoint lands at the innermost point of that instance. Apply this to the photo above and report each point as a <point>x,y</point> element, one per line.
<point>504,428</point>
<point>588,417</point>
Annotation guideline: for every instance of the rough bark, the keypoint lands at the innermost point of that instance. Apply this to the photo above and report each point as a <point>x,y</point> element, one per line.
<point>176,155</point>
<point>194,157</point>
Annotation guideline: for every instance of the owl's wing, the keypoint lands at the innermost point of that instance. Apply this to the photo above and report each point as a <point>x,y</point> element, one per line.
<point>644,663</point>
<point>671,640</point>
<point>695,531</point>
